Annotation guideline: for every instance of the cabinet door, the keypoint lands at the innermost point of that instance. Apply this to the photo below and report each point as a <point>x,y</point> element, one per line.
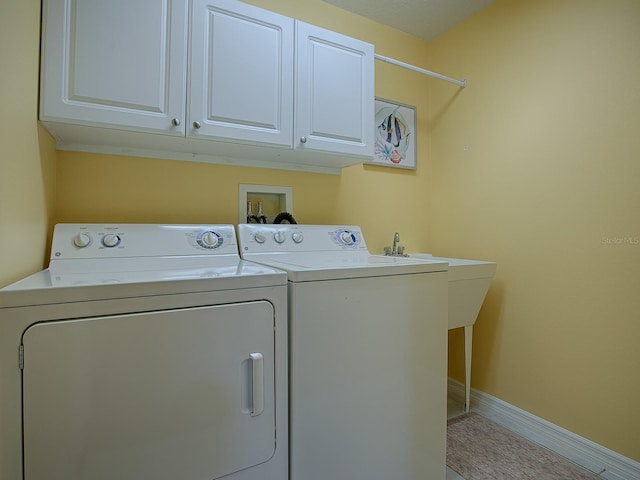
<point>116,63</point>
<point>180,394</point>
<point>334,92</point>
<point>241,67</point>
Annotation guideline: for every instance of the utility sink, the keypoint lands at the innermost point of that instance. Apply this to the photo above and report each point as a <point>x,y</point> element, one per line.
<point>469,282</point>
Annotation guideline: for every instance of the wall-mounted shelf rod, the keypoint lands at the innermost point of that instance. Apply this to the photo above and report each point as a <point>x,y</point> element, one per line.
<point>462,83</point>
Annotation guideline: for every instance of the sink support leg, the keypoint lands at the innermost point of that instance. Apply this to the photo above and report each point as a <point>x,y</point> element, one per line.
<point>468,336</point>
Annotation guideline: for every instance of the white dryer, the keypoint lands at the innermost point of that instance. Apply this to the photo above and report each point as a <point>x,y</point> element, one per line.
<point>144,352</point>
<point>368,349</point>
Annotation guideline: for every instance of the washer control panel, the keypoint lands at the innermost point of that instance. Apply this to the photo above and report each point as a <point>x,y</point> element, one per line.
<point>260,238</point>
<point>72,241</point>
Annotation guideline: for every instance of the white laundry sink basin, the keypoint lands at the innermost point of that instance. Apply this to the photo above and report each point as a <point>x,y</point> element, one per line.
<point>469,282</point>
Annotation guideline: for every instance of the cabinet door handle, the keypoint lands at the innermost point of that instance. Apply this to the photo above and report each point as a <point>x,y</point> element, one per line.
<point>303,139</point>
<point>196,125</point>
<point>175,122</point>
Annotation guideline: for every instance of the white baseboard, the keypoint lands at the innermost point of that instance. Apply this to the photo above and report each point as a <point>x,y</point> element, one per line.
<point>596,458</point>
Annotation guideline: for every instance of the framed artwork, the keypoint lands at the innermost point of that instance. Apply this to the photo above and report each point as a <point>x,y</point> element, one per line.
<point>395,135</point>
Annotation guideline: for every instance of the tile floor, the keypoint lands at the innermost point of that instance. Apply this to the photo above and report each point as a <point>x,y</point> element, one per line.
<point>453,409</point>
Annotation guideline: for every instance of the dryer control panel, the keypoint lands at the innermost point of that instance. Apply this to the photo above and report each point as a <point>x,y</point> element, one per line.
<point>84,241</point>
<point>260,238</point>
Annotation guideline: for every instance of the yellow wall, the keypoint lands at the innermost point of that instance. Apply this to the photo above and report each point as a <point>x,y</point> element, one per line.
<point>548,173</point>
<point>104,188</point>
<point>26,152</point>
<point>549,182</point>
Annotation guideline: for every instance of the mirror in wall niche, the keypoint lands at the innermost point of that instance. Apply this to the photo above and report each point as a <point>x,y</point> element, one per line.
<point>263,203</point>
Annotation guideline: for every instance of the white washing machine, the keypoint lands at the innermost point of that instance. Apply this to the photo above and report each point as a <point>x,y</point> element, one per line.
<point>367,354</point>
<point>144,352</point>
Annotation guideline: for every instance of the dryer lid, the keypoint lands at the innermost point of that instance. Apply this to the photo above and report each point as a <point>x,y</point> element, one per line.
<point>146,260</point>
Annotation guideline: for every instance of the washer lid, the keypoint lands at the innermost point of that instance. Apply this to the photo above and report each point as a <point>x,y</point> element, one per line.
<point>305,267</point>
<point>323,252</point>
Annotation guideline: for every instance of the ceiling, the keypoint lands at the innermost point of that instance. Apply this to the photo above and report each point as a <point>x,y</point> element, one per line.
<point>424,19</point>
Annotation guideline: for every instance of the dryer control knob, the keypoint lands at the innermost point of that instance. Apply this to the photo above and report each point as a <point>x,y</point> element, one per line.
<point>81,240</point>
<point>110,240</point>
<point>297,237</point>
<point>209,239</point>
<point>260,238</point>
<point>279,237</point>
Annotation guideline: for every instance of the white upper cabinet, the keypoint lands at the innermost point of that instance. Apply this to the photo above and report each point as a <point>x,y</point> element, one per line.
<point>116,63</point>
<point>204,80</point>
<point>241,68</point>
<point>335,92</point>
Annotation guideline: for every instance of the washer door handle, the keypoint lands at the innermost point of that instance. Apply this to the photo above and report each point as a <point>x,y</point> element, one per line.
<point>257,383</point>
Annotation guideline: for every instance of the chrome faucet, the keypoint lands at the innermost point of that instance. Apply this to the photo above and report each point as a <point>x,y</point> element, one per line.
<point>396,250</point>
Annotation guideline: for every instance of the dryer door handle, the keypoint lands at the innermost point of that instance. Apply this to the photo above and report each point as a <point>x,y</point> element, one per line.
<point>257,383</point>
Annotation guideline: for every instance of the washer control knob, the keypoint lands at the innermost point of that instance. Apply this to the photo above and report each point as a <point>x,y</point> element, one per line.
<point>209,239</point>
<point>110,240</point>
<point>297,237</point>
<point>347,238</point>
<point>279,237</point>
<point>260,238</point>
<point>81,240</point>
